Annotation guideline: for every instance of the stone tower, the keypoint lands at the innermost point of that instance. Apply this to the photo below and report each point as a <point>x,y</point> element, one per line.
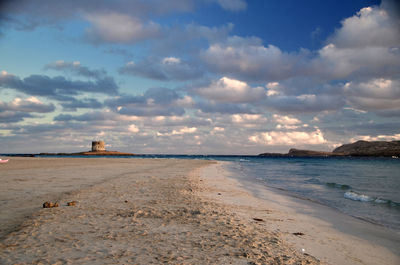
<point>98,146</point>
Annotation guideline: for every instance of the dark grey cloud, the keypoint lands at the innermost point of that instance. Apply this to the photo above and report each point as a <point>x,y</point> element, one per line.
<point>76,68</point>
<point>27,105</point>
<point>371,129</point>
<point>86,117</point>
<point>57,87</point>
<point>120,21</point>
<point>223,108</point>
<point>168,68</point>
<point>13,116</point>
<point>304,103</point>
<point>19,109</point>
<point>86,103</point>
<point>50,11</point>
<point>154,102</point>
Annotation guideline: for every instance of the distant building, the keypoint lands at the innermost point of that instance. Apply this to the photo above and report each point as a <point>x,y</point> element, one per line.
<point>98,146</point>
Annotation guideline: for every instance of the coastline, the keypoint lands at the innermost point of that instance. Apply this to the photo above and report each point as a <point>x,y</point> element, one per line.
<point>326,234</point>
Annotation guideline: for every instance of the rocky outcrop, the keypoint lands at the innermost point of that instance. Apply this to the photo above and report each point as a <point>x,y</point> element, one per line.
<point>359,148</point>
<point>105,153</point>
<point>365,148</point>
<point>298,152</point>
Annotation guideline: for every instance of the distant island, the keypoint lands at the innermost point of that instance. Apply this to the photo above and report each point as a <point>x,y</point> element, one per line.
<point>98,149</point>
<point>359,148</point>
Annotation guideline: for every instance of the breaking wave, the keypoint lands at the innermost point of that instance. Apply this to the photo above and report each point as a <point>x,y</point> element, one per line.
<point>355,196</point>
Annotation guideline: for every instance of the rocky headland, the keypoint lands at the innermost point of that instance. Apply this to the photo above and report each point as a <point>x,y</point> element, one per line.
<point>359,148</point>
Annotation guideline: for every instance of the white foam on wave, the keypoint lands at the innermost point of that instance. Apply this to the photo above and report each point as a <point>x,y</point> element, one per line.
<point>357,196</point>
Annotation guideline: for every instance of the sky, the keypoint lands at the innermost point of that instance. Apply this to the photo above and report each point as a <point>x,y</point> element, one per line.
<point>198,76</point>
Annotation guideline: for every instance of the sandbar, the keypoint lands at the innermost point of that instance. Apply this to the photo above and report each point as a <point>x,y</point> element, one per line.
<point>156,211</point>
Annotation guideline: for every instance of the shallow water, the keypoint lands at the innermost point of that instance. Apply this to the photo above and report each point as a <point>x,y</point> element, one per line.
<point>367,188</point>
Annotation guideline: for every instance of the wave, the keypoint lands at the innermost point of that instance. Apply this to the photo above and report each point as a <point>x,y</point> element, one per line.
<point>355,196</point>
<point>358,197</point>
<point>338,186</point>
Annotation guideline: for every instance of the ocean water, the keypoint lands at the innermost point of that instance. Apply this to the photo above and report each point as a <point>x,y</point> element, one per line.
<point>366,188</point>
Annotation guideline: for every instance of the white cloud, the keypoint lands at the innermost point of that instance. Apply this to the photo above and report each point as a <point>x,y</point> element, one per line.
<point>171,60</point>
<point>288,138</point>
<point>394,137</point>
<point>120,28</point>
<point>218,129</point>
<point>286,120</point>
<point>248,58</point>
<point>133,128</point>
<point>366,44</point>
<point>370,27</point>
<point>232,91</point>
<point>374,94</point>
<point>184,130</point>
<point>339,63</point>
<point>248,118</point>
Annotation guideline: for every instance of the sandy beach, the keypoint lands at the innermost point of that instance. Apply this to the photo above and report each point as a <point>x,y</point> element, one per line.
<point>166,211</point>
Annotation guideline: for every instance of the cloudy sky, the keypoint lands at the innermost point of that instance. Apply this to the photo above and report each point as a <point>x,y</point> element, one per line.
<point>197,76</point>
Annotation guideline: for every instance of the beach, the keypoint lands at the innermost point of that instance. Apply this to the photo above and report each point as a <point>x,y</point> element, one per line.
<point>168,211</point>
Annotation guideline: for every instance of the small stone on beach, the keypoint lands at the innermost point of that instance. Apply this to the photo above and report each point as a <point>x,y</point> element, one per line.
<point>50,205</point>
<point>258,219</point>
<point>73,203</point>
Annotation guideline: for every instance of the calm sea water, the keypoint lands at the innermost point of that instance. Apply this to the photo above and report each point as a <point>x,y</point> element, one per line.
<point>366,188</point>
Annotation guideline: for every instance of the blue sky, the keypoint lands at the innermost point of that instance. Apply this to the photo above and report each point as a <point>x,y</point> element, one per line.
<point>198,76</point>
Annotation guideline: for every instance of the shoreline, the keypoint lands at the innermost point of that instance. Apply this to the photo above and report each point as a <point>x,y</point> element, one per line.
<point>327,234</point>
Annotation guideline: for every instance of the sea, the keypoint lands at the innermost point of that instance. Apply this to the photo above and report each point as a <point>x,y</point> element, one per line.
<point>365,188</point>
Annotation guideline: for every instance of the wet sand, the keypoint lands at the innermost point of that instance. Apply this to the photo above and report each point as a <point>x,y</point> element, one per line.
<point>146,211</point>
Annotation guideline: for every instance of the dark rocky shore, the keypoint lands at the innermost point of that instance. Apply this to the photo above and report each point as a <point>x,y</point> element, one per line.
<point>359,148</point>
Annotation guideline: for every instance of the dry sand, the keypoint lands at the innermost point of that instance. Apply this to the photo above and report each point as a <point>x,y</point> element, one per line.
<point>146,211</point>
